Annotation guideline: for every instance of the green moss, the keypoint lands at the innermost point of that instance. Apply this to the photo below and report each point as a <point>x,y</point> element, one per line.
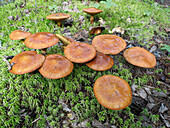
<point>38,95</point>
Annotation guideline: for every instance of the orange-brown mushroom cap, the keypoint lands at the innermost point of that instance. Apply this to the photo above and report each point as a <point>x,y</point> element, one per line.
<point>140,57</point>
<point>101,62</point>
<point>79,52</point>
<point>109,44</point>
<point>41,40</point>
<point>26,62</point>
<point>58,16</point>
<point>56,66</point>
<point>19,35</point>
<point>92,11</point>
<point>112,92</point>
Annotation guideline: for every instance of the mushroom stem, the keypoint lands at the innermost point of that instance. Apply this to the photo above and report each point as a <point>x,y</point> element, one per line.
<point>64,47</point>
<point>33,72</point>
<point>63,40</point>
<point>91,19</point>
<point>22,41</point>
<point>44,51</point>
<point>59,23</point>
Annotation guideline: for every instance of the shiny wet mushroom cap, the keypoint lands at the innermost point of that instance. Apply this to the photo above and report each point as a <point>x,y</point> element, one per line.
<point>19,35</point>
<point>79,52</point>
<point>56,66</point>
<point>41,40</point>
<point>58,17</point>
<point>112,92</point>
<point>26,62</point>
<point>140,57</point>
<point>109,44</point>
<point>101,62</point>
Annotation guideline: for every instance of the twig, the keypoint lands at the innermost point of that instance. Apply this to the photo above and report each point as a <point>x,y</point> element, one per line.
<point>9,65</point>
<point>165,84</point>
<point>35,120</point>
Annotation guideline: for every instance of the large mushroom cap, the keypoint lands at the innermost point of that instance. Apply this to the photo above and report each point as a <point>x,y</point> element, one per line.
<point>19,35</point>
<point>41,40</point>
<point>92,11</point>
<point>101,62</point>
<point>140,57</point>
<point>79,52</point>
<point>58,16</point>
<point>109,44</point>
<point>56,66</point>
<point>26,62</point>
<point>112,92</point>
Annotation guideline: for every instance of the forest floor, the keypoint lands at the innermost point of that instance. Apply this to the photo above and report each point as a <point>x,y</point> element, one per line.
<point>34,101</point>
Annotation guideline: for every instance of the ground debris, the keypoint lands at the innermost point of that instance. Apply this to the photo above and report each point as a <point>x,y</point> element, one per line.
<point>138,104</point>
<point>65,106</point>
<point>83,123</point>
<point>81,36</point>
<point>163,108</point>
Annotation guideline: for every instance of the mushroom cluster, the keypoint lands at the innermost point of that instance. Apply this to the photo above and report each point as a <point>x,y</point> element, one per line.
<point>111,91</point>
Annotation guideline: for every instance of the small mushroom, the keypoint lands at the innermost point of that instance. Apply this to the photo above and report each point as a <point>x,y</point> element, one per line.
<point>58,17</point>
<point>112,92</point>
<point>140,57</point>
<point>26,62</point>
<point>97,30</point>
<point>41,40</point>
<point>56,66</point>
<point>92,12</point>
<point>19,35</point>
<point>109,44</point>
<point>79,52</point>
<point>101,62</point>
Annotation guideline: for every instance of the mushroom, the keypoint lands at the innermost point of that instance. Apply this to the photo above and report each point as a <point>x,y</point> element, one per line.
<point>97,30</point>
<point>109,44</point>
<point>112,92</point>
<point>26,62</point>
<point>19,35</point>
<point>58,17</point>
<point>41,40</point>
<point>79,52</point>
<point>101,62</point>
<point>56,66</point>
<point>92,11</point>
<point>140,57</point>
<point>65,40</point>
